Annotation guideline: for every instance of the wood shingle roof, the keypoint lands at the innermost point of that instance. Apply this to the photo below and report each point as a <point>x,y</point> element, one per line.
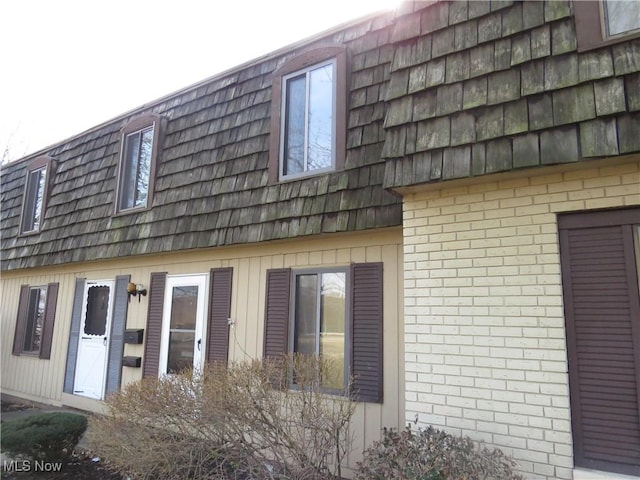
<point>436,91</point>
<point>483,87</point>
<point>211,184</point>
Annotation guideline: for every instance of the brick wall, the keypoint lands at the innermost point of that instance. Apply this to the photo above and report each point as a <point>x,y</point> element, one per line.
<point>484,323</point>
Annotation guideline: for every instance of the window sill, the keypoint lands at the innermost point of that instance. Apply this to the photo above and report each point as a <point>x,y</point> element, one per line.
<point>301,176</point>
<point>606,42</point>
<point>29,233</point>
<point>30,354</point>
<point>120,213</point>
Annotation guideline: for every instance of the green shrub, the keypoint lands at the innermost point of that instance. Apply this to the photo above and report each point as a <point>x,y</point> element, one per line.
<point>431,454</point>
<point>45,436</point>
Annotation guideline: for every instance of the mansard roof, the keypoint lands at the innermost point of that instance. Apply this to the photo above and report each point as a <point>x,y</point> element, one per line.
<point>437,90</point>
<point>212,184</point>
<point>484,87</point>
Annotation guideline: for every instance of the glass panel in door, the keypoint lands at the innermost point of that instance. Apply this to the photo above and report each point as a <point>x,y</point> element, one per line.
<point>182,329</point>
<point>183,325</point>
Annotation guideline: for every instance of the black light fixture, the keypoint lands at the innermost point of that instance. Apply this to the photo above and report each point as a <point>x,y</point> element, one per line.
<point>138,290</point>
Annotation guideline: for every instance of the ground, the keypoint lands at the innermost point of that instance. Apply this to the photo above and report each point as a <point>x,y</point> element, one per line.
<point>81,466</point>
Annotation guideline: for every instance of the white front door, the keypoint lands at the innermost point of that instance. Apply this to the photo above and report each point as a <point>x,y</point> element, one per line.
<point>93,344</point>
<point>183,323</point>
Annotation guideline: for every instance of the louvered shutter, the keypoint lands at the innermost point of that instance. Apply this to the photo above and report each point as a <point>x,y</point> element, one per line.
<point>74,335</point>
<point>116,340</point>
<point>219,312</point>
<point>49,320</point>
<point>276,335</point>
<point>151,362</point>
<point>366,329</point>
<point>602,309</point>
<point>21,321</point>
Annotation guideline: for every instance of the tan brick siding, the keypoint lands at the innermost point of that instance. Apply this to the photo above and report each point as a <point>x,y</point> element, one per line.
<point>484,324</point>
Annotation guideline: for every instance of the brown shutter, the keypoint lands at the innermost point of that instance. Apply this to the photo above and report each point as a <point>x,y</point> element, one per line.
<point>21,322</point>
<point>49,320</point>
<point>366,331</point>
<point>219,312</point>
<point>154,325</point>
<point>276,318</point>
<point>74,335</point>
<point>116,337</point>
<point>602,310</point>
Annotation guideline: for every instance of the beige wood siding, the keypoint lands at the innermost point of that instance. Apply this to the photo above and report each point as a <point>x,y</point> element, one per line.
<point>42,379</point>
<point>27,375</point>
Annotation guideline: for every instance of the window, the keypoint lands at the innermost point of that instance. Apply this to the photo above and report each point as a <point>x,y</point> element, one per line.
<point>97,311</point>
<point>36,315</point>
<point>35,320</point>
<point>603,22</point>
<point>599,260</point>
<point>34,199</point>
<point>307,124</point>
<point>333,312</point>
<point>140,139</point>
<point>308,118</point>
<point>35,195</point>
<point>319,321</point>
<point>621,16</point>
<point>136,166</point>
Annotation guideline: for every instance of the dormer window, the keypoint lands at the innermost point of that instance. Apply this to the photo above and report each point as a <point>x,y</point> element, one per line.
<point>307,129</point>
<point>308,114</point>
<point>35,195</point>
<point>137,163</point>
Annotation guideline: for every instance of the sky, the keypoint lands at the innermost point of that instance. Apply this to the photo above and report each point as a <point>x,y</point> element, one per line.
<point>68,65</point>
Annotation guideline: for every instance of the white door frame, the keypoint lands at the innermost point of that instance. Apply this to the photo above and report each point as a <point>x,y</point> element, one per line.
<point>88,383</point>
<point>201,280</point>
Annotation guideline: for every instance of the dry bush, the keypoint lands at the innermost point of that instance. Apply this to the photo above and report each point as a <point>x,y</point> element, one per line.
<point>431,454</point>
<point>238,421</point>
<point>151,430</point>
